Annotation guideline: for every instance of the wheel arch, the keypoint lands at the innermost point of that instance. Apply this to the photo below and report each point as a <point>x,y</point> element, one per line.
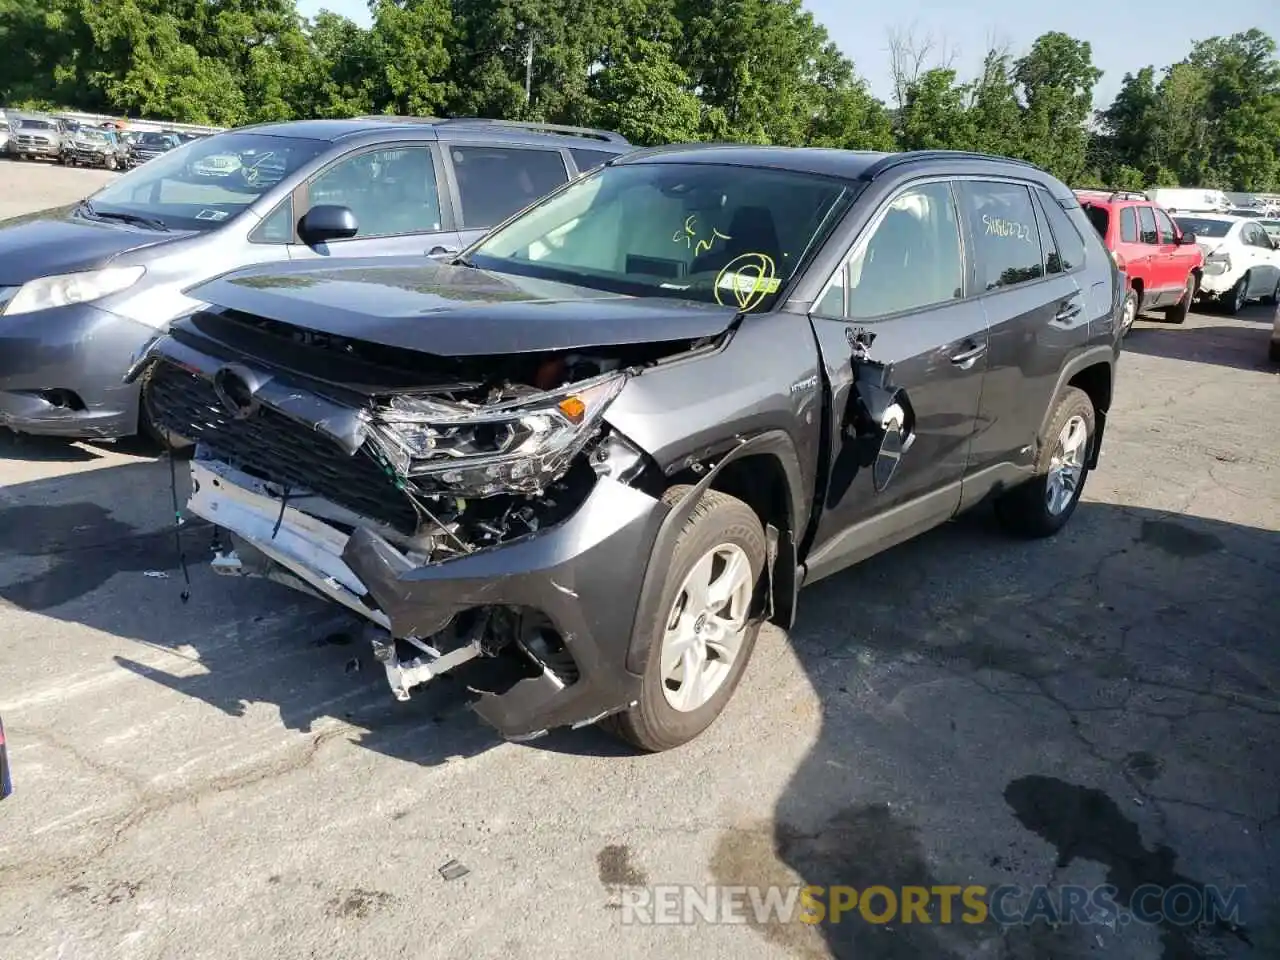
<point>764,472</point>
<point>1093,372</point>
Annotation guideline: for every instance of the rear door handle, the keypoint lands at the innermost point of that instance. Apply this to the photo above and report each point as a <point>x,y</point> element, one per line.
<point>965,358</point>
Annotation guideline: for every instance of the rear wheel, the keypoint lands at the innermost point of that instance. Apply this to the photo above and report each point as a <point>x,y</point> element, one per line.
<point>1178,312</point>
<point>1274,297</point>
<point>704,633</point>
<point>1128,313</point>
<point>1235,300</point>
<point>1043,505</point>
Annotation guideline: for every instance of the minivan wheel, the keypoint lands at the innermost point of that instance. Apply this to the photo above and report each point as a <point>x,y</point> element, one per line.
<point>704,630</point>
<point>1043,505</point>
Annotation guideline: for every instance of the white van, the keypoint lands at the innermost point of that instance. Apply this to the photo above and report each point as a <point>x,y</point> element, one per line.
<point>1190,200</point>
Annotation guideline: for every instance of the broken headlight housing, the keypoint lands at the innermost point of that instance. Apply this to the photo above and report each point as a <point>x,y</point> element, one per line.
<point>519,446</point>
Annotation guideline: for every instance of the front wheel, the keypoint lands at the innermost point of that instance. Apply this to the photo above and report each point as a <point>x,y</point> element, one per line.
<point>110,163</point>
<point>704,630</point>
<point>1043,505</point>
<point>1274,297</point>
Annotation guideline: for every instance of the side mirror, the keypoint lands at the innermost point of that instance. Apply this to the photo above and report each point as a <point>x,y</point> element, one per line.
<point>327,222</point>
<point>1187,238</point>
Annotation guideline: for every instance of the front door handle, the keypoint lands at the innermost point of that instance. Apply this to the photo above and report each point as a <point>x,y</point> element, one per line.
<point>1068,311</point>
<point>440,251</point>
<point>965,358</point>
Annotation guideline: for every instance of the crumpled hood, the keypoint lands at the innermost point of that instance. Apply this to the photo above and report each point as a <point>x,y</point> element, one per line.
<point>51,242</point>
<point>420,304</point>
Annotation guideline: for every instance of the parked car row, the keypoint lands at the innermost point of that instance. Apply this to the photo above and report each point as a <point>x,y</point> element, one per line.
<point>532,397</point>
<point>43,137</point>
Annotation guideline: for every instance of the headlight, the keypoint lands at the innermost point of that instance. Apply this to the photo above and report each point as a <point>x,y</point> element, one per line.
<point>46,292</point>
<point>516,447</point>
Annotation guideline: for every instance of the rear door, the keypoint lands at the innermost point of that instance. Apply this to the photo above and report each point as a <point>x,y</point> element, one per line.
<point>394,192</point>
<point>494,181</point>
<point>900,297</point>
<point>1034,310</point>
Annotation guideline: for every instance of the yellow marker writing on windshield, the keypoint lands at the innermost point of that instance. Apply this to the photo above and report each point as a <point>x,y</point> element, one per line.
<point>690,233</point>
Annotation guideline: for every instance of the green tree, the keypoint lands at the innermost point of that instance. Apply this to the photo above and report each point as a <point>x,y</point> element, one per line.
<point>1057,78</point>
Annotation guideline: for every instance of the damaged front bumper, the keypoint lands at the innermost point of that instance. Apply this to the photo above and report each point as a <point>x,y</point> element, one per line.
<point>567,596</point>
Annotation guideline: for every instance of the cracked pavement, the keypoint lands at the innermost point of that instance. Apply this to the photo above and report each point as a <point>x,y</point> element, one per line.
<point>231,777</point>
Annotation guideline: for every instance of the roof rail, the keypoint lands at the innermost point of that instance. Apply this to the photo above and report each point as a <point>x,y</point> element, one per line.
<point>608,136</point>
<point>911,156</point>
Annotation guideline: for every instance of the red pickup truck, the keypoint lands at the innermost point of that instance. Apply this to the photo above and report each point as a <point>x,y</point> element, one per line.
<point>1162,264</point>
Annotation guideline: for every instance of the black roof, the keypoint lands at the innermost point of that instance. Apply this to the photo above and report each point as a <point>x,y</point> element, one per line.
<point>822,161</point>
<point>433,128</point>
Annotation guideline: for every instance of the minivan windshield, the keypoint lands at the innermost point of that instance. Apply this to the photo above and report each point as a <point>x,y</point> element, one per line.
<point>716,233</point>
<point>1203,227</point>
<point>205,183</point>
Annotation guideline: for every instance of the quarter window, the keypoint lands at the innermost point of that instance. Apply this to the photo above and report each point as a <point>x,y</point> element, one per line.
<point>390,191</point>
<point>1129,225</point>
<point>1006,240</point>
<point>1066,238</point>
<point>912,260</point>
<point>1148,224</point>
<point>277,226</point>
<point>495,182</point>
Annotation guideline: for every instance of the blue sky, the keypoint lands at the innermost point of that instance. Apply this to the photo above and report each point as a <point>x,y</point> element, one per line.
<point>1125,35</point>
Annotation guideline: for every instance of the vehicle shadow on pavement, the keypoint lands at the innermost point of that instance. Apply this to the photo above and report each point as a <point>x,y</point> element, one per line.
<point>98,548</point>
<point>1102,707</point>
<point>43,449</point>
<point>1239,344</point>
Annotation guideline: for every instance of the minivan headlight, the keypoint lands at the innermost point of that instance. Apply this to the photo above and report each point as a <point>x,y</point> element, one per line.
<point>44,293</point>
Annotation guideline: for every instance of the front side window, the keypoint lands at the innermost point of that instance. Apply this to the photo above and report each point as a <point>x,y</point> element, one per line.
<point>1002,221</point>
<point>390,191</point>
<point>495,182</point>
<point>699,231</point>
<point>207,183</point>
<point>912,259</point>
<point>1164,227</point>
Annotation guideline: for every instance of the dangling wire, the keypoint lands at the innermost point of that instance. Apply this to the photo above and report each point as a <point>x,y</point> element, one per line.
<point>177,521</point>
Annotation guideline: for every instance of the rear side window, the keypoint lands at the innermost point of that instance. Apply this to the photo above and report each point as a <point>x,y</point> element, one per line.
<point>1147,222</point>
<point>495,182</point>
<point>1129,225</point>
<point>1067,239</point>
<point>1002,221</point>
<point>1100,219</point>
<point>586,159</point>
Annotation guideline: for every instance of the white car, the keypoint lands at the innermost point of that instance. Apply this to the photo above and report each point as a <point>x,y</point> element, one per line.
<point>1241,260</point>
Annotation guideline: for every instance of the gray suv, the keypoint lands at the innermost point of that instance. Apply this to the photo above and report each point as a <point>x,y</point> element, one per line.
<point>85,289</point>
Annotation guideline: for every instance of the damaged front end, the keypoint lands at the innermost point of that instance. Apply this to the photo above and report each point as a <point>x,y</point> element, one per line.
<point>469,511</point>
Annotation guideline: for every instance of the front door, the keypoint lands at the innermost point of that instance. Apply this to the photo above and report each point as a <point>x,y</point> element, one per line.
<point>395,194</point>
<point>894,327</point>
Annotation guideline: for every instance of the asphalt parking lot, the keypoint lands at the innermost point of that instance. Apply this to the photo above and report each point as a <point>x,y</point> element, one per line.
<point>229,777</point>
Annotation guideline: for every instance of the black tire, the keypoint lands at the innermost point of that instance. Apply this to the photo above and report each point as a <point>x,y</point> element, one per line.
<point>1235,300</point>
<point>653,725</point>
<point>110,163</point>
<point>1178,312</point>
<point>1274,296</point>
<point>1273,351</point>
<point>1024,511</point>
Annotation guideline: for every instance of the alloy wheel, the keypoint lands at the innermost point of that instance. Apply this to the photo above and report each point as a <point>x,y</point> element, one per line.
<point>706,626</point>
<point>1066,467</point>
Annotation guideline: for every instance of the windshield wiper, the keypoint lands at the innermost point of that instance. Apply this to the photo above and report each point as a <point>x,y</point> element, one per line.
<point>88,209</point>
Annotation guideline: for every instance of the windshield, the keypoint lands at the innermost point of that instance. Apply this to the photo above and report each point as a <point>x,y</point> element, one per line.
<point>154,140</point>
<point>36,124</point>
<point>206,183</point>
<point>1204,228</point>
<point>1271,226</point>
<point>729,235</point>
<point>87,134</point>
